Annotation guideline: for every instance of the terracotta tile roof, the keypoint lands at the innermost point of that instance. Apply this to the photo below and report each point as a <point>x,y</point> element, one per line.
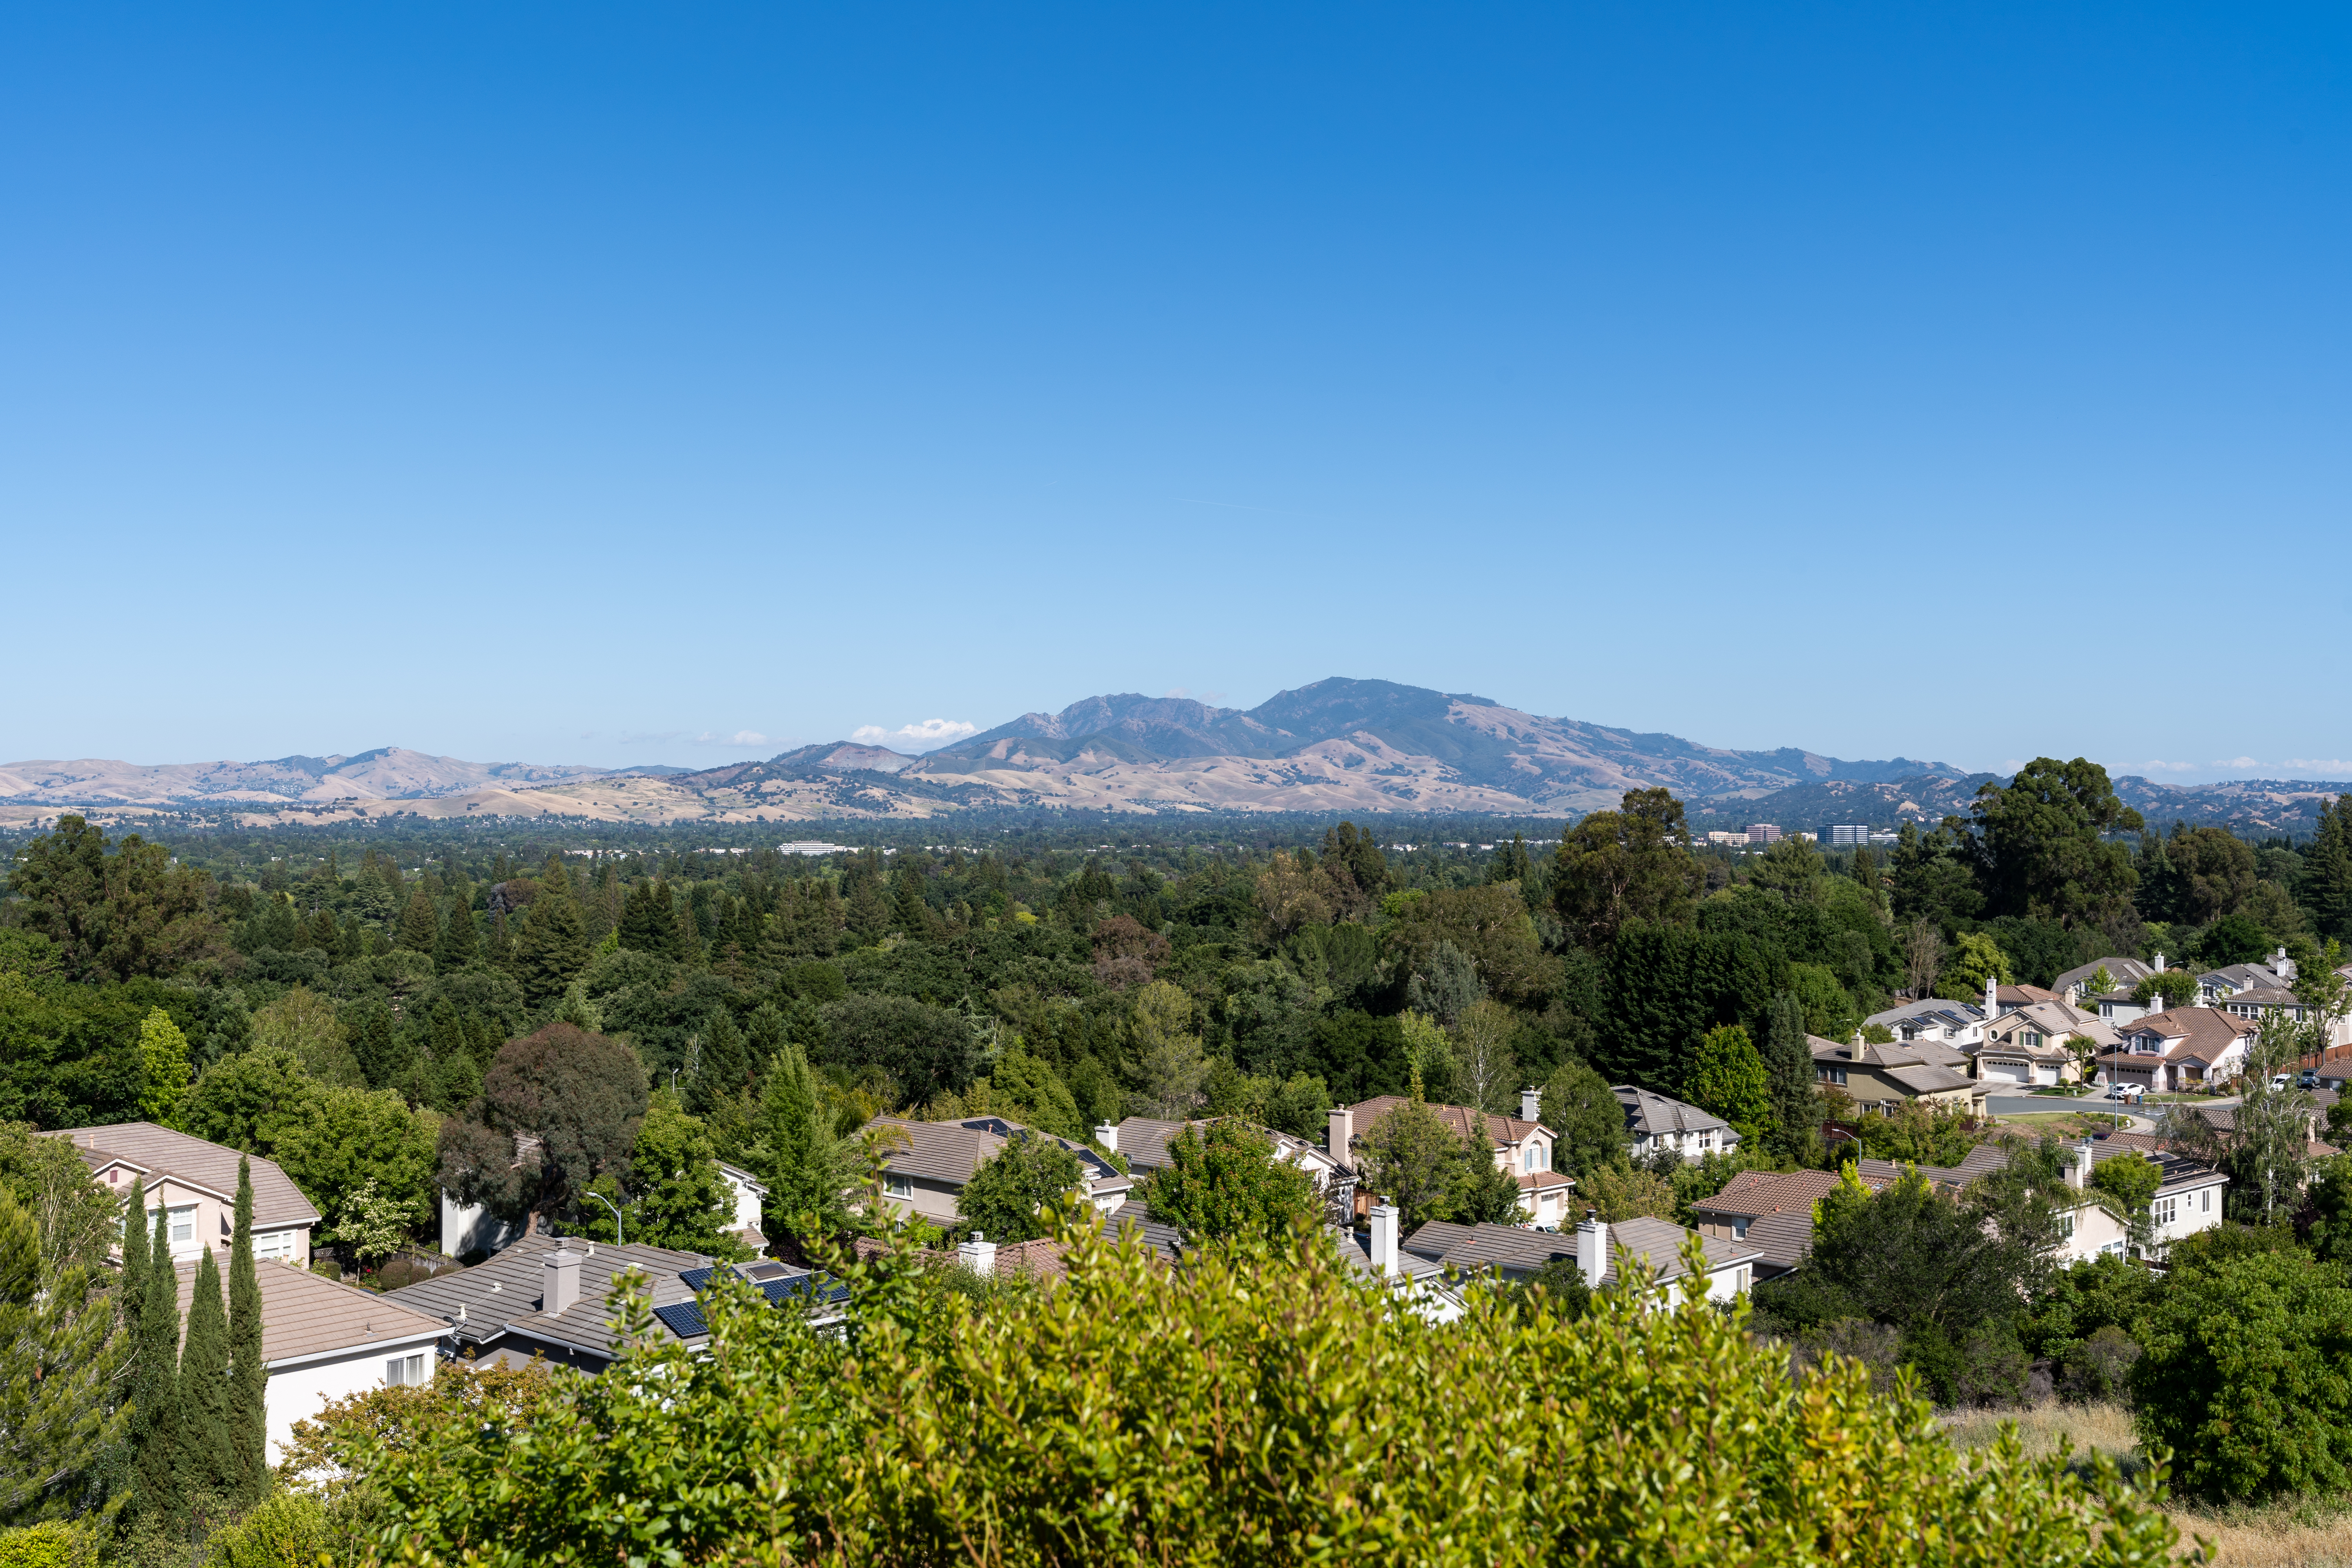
<point>1461,1121</point>
<point>157,1151</point>
<point>951,1150</point>
<point>305,1314</point>
<point>1752,1192</point>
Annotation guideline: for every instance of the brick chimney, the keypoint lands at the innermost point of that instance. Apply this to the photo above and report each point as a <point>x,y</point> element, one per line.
<point>979,1254</point>
<point>559,1281</point>
<point>1531,1105</point>
<point>1385,1224</point>
<point>1592,1247</point>
<point>1342,1134</point>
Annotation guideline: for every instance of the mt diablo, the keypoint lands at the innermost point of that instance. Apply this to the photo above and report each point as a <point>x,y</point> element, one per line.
<point>1336,745</point>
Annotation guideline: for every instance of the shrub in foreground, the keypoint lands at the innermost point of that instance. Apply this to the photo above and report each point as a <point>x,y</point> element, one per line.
<point>1248,1408</point>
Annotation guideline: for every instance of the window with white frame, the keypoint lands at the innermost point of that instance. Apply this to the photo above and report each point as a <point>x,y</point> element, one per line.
<point>2164,1211</point>
<point>182,1224</point>
<point>899,1187</point>
<point>276,1244</point>
<point>406,1371</point>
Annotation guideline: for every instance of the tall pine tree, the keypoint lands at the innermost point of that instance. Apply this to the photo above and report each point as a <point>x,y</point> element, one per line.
<point>458,944</point>
<point>724,1070</point>
<point>208,1464</point>
<point>419,931</point>
<point>805,1164</point>
<point>248,1421</point>
<point>647,925</point>
<point>1789,1065</point>
<point>156,1384</point>
<point>2326,888</point>
<point>552,945</point>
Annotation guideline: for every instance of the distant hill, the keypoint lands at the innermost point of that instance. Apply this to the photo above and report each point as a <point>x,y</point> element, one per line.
<point>1332,747</point>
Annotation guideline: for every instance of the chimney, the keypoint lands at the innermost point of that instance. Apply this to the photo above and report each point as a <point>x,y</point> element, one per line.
<point>1592,1247</point>
<point>2159,963</point>
<point>1107,1134</point>
<point>1992,998</point>
<point>2078,1176</point>
<point>979,1254</point>
<point>1385,1237</point>
<point>1342,1134</point>
<point>1531,1105</point>
<point>559,1281</point>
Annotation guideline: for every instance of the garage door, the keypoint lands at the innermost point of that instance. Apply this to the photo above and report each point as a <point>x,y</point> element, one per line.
<point>2009,1072</point>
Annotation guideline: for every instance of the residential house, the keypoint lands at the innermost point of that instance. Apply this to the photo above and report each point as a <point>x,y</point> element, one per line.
<point>323,1341</point>
<point>925,1164</point>
<point>2255,1001</point>
<point>2275,974</point>
<point>545,1297</point>
<point>1656,1124</point>
<point>1596,1246</point>
<point>2074,988</point>
<point>1421,1284</point>
<point>2031,1043</point>
<point>1145,1143</point>
<point>2189,1199</point>
<point>2187,1047</point>
<point>1771,1211</point>
<point>1880,1078</point>
<point>1521,1145</point>
<point>194,1182</point>
<point>1936,1021</point>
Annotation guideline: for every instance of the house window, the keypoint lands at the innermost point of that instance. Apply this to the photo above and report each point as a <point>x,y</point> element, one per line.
<point>1538,1158</point>
<point>278,1244</point>
<point>183,1221</point>
<point>2066,1225</point>
<point>2208,1200</point>
<point>406,1371</point>
<point>1830,1075</point>
<point>900,1187</point>
<point>2165,1211</point>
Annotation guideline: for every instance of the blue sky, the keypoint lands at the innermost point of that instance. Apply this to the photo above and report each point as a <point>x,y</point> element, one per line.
<point>578,384</point>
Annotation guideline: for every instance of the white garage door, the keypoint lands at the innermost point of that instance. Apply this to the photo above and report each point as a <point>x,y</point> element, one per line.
<point>2009,1072</point>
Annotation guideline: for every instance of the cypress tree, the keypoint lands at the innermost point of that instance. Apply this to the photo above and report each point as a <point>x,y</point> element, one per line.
<point>134,1258</point>
<point>724,1070</point>
<point>1789,1065</point>
<point>248,1423</point>
<point>552,946</point>
<point>2326,884</point>
<point>325,935</point>
<point>419,931</point>
<point>208,1463</point>
<point>645,923</point>
<point>804,1158</point>
<point>155,1383</point>
<point>459,944</point>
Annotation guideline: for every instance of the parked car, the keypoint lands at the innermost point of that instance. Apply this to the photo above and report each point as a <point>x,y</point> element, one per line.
<point>2127,1091</point>
<point>2310,1079</point>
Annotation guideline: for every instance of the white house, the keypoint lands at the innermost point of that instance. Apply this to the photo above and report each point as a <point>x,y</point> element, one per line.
<point>1144,1141</point>
<point>1934,1021</point>
<point>2187,1047</point>
<point>194,1181</point>
<point>2189,1198</point>
<point>2031,1043</point>
<point>1656,1124</point>
<point>748,1192</point>
<point>1520,1144</point>
<point>1597,1249</point>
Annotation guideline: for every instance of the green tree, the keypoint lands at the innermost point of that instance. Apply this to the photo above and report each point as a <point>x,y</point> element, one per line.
<point>2174,986</point>
<point>1229,1184</point>
<point>723,1072</point>
<point>1412,1160</point>
<point>1038,1094</point>
<point>1623,1190</point>
<point>1729,1078</point>
<point>579,1095</point>
<point>61,1344</point>
<point>1933,880</point>
<point>460,945</point>
<point>307,1024</point>
<point>1484,1192</point>
<point>373,1225</point>
<point>160,1485</point>
<point>2246,1375</point>
<point>207,1462</point>
<point>1012,1195</point>
<point>1168,1055</point>
<point>2040,847</point>
<point>1795,1102</point>
<point>1974,958</point>
<point>679,1196</point>
<point>1791,867</point>
<point>163,1065</point>
<point>2324,889</point>
<point>552,947</point>
<point>1632,864</point>
<point>420,932</point>
<point>248,1420</point>
<point>805,1164</point>
<point>1588,1121</point>
<point>112,916</point>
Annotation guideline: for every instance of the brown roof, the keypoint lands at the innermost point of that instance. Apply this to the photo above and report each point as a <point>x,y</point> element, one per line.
<point>305,1314</point>
<point>2198,1033</point>
<point>1459,1120</point>
<point>1753,1192</point>
<point>2008,996</point>
<point>158,1151</point>
<point>1782,1241</point>
<point>952,1151</point>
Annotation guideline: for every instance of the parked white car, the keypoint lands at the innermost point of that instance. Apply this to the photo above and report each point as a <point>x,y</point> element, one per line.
<point>2127,1091</point>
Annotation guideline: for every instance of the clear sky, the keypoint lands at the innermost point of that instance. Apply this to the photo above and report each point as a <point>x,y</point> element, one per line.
<point>675,383</point>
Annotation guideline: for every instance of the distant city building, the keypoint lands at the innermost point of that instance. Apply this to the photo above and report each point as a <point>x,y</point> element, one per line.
<point>1842,838</point>
<point>811,846</point>
<point>1721,837</point>
<point>1885,835</point>
<point>1763,833</point>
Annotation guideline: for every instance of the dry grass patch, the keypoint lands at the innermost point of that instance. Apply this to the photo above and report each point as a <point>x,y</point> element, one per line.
<point>2298,1535</point>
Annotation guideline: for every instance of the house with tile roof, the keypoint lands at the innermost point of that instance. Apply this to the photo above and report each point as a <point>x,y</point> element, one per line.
<point>1771,1211</point>
<point>1144,1143</point>
<point>1520,1144</point>
<point>2031,1043</point>
<point>545,1298</point>
<point>2074,986</point>
<point>1934,1021</point>
<point>926,1163</point>
<point>194,1181</point>
<point>324,1341</point>
<point>1598,1248</point>
<point>1881,1076</point>
<point>2189,1198</point>
<point>1656,1124</point>
<point>2185,1047</point>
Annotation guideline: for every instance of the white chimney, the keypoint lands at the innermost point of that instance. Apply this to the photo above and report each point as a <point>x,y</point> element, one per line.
<point>1342,1134</point>
<point>2159,963</point>
<point>1531,1105</point>
<point>1592,1247</point>
<point>1384,1238</point>
<point>1992,999</point>
<point>978,1253</point>
<point>2078,1176</point>
<point>559,1281</point>
<point>1107,1134</point>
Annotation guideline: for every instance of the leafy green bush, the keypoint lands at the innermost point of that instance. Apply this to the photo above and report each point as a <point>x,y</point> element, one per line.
<point>287,1529</point>
<point>2247,1374</point>
<point>1266,1407</point>
<point>51,1544</point>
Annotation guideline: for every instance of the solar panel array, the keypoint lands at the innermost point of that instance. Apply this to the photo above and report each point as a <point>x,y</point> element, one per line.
<point>686,1321</point>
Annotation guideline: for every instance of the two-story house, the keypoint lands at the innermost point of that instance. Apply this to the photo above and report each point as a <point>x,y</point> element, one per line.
<point>2189,1199</point>
<point>1934,1021</point>
<point>2078,987</point>
<point>925,1164</point>
<point>1656,1124</point>
<point>1520,1144</point>
<point>2187,1047</point>
<point>1597,1247</point>
<point>194,1182</point>
<point>1880,1078</point>
<point>2033,1044</point>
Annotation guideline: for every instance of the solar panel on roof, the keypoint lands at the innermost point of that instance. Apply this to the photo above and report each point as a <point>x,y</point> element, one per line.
<point>766,1268</point>
<point>995,1124</point>
<point>696,1278</point>
<point>684,1319</point>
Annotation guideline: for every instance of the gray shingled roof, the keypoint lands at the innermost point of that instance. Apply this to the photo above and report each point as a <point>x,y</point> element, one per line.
<point>503,1293</point>
<point>1513,1249</point>
<point>951,1150</point>
<point>159,1151</point>
<point>1649,1114</point>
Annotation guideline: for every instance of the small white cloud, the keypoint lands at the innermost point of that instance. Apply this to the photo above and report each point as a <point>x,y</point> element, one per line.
<point>739,738</point>
<point>2338,766</point>
<point>2165,767</point>
<point>927,735</point>
<point>2234,762</point>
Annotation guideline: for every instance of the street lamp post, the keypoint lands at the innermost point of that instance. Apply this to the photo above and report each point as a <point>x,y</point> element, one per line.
<point>618,1239</point>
